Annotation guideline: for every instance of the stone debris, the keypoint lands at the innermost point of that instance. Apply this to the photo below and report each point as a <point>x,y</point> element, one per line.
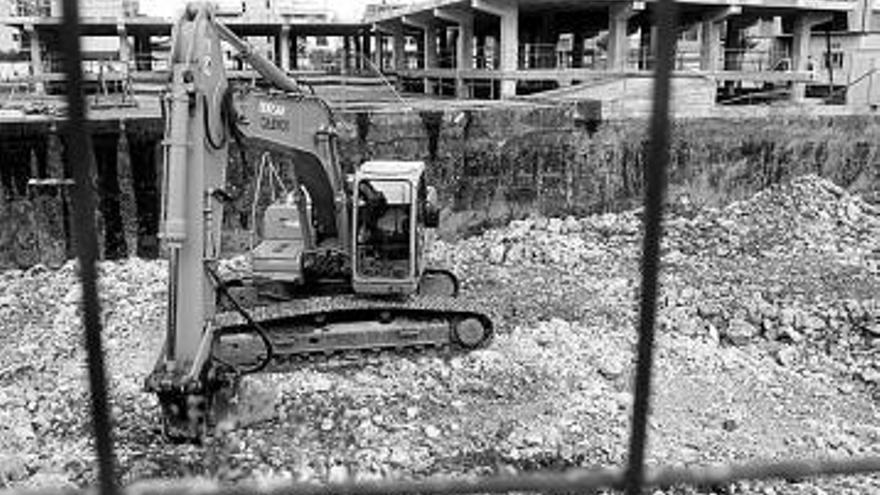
<point>768,308</point>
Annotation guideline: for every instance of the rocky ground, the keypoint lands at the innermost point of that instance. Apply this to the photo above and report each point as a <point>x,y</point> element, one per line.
<point>768,349</point>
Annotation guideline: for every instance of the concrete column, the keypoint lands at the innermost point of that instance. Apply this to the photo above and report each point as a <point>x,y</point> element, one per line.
<point>480,41</point>
<point>465,46</point>
<point>384,61</point>
<point>124,45</point>
<point>509,20</point>
<point>428,44</point>
<point>431,45</point>
<point>430,56</point>
<point>509,50</point>
<point>284,48</point>
<point>577,51</point>
<point>800,47</point>
<point>358,51</point>
<point>646,36</point>
<point>733,44</point>
<point>618,35</point>
<point>710,36</point>
<point>378,56</point>
<point>36,59</point>
<point>710,45</point>
<point>859,18</point>
<point>346,54</point>
<point>143,52</point>
<point>464,43</point>
<point>398,47</point>
<point>464,54</point>
<point>449,41</point>
<point>365,50</point>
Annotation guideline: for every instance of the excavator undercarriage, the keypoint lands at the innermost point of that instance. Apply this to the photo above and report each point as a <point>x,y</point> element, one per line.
<point>281,336</point>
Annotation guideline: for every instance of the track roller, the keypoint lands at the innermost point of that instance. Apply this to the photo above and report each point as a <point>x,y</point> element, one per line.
<point>470,332</point>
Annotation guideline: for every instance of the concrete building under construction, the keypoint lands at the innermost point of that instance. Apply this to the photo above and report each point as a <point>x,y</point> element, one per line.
<point>728,51</point>
<point>502,48</point>
<point>119,41</point>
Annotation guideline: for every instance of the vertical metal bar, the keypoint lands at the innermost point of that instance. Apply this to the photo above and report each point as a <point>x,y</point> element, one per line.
<point>79,155</point>
<point>658,158</point>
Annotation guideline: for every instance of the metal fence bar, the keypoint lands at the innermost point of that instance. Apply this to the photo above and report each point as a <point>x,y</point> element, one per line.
<point>574,481</point>
<point>655,174</point>
<point>79,155</point>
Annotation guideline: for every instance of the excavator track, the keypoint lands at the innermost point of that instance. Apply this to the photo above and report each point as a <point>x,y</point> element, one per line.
<point>325,327</point>
<point>332,330</point>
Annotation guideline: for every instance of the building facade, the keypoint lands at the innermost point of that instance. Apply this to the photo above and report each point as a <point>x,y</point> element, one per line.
<point>10,38</point>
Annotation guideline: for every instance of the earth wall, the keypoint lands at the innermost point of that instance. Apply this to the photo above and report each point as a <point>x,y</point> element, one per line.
<point>489,166</point>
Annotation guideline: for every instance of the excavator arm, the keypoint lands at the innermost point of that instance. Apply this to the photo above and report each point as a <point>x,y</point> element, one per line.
<point>201,117</point>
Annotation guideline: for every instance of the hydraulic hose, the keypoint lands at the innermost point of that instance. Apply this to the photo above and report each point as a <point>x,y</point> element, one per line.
<point>224,121</point>
<point>254,325</point>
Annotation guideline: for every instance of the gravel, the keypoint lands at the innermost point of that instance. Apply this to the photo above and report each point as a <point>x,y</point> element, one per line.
<point>768,348</point>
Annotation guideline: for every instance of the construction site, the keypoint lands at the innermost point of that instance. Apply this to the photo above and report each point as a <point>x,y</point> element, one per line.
<point>418,250</point>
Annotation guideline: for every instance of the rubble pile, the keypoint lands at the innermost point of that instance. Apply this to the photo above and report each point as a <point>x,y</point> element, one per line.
<point>769,318</point>
<point>807,214</point>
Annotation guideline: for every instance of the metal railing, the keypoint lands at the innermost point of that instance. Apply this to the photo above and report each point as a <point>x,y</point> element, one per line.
<point>632,479</point>
<point>549,56</point>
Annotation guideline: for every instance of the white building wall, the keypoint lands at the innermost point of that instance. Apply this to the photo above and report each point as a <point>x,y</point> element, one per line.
<point>9,41</point>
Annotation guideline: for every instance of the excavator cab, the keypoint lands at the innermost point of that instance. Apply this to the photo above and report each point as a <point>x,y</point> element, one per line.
<point>391,211</point>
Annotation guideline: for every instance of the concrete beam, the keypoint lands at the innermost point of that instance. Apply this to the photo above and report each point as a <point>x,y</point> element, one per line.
<point>493,7</point>
<point>800,47</point>
<point>619,15</point>
<point>386,27</point>
<point>722,13</point>
<point>453,15</point>
<point>420,21</point>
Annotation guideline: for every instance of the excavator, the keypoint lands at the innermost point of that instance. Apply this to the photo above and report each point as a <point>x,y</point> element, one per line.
<point>340,267</point>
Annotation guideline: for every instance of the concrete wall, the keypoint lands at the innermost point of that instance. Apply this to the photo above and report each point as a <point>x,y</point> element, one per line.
<point>631,97</point>
<point>863,76</point>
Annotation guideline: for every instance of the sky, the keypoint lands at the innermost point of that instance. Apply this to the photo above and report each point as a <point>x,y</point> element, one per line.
<point>346,10</point>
